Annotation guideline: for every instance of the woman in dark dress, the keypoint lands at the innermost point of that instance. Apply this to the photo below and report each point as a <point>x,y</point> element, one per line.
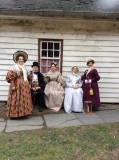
<point>90,79</point>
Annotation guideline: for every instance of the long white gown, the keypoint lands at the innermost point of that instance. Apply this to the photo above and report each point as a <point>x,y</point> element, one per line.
<point>73,97</point>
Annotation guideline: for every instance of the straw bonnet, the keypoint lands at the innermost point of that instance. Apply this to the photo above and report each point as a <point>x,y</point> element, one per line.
<point>90,60</point>
<point>20,53</point>
<point>53,63</point>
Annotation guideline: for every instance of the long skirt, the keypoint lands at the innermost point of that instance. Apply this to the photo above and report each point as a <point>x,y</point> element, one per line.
<point>73,100</point>
<point>53,97</point>
<point>19,101</point>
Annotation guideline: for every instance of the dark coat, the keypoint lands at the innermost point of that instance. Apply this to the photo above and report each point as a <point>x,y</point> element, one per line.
<point>41,81</point>
<point>40,92</point>
<point>94,76</point>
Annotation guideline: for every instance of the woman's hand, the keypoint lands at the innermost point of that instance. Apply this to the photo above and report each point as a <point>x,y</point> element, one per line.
<point>13,88</point>
<point>86,81</point>
<point>37,88</point>
<point>75,87</point>
<point>89,81</point>
<point>58,89</point>
<point>33,89</point>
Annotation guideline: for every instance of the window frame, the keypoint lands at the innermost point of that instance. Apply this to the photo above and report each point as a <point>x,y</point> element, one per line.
<point>39,48</point>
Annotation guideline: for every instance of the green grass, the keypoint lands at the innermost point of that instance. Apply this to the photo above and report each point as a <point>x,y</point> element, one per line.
<point>98,142</point>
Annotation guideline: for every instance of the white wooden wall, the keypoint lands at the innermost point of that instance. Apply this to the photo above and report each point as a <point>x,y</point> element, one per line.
<point>103,47</point>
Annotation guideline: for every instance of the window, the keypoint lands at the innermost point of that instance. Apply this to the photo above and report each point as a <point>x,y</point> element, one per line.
<point>49,51</point>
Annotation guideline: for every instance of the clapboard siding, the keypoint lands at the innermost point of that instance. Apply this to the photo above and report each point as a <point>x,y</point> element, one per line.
<point>98,64</point>
<point>3,98</point>
<point>17,46</point>
<point>94,36</point>
<point>92,53</point>
<point>4,93</point>
<point>109,90</point>
<point>9,52</point>
<point>91,43</point>
<point>10,62</point>
<point>22,40</point>
<point>99,59</point>
<point>10,56</point>
<point>2,78</point>
<point>109,100</point>
<point>101,70</point>
<point>102,75</point>
<point>102,46</point>
<point>73,42</point>
<point>90,48</point>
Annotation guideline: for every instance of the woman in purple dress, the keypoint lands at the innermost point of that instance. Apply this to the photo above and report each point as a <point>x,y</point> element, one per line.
<point>90,79</point>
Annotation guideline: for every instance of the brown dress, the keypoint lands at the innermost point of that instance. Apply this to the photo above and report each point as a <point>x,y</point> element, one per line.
<point>19,101</point>
<point>53,97</point>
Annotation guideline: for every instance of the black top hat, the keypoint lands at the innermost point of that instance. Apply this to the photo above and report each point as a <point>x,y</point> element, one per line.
<point>35,64</point>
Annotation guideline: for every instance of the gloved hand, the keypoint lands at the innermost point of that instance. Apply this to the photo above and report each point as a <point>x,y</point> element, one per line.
<point>86,81</point>
<point>89,81</point>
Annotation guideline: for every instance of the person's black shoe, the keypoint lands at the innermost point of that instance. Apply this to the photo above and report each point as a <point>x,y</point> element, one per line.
<point>40,109</point>
<point>95,109</point>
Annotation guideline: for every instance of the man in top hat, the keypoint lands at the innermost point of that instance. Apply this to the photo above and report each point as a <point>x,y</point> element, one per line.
<point>38,85</point>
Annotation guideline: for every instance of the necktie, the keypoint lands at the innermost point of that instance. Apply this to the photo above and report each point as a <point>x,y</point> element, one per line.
<point>36,73</point>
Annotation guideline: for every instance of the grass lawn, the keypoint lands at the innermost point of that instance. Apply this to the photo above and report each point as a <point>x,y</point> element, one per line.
<point>97,142</point>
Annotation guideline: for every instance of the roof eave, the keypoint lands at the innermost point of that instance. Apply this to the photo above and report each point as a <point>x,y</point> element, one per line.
<point>61,14</point>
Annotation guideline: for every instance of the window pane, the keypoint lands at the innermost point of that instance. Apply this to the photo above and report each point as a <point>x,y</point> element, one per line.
<point>50,50</point>
<point>44,66</point>
<point>44,53</point>
<point>50,53</point>
<point>50,45</point>
<point>56,53</point>
<point>49,62</point>
<point>44,45</point>
<point>44,62</point>
<point>57,61</point>
<point>43,69</point>
<point>57,68</point>
<point>56,46</point>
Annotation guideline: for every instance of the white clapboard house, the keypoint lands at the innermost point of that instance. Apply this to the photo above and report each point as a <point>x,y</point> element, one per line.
<point>66,31</point>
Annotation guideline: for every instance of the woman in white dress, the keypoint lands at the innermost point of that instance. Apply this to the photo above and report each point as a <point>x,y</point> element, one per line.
<point>73,92</point>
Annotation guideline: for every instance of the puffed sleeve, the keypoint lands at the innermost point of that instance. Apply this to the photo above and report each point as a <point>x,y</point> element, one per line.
<point>11,76</point>
<point>79,84</point>
<point>83,77</point>
<point>30,76</point>
<point>60,79</point>
<point>46,78</point>
<point>96,76</point>
<point>68,82</point>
